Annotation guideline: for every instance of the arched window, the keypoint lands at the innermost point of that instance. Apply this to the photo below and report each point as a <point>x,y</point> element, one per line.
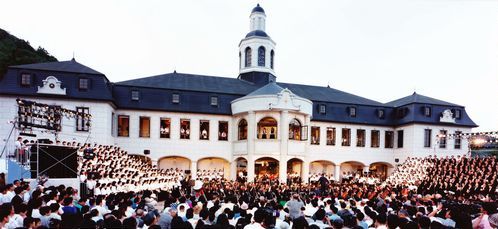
<point>294,130</point>
<point>261,56</point>
<point>243,129</point>
<point>267,128</point>
<point>248,57</point>
<point>272,55</point>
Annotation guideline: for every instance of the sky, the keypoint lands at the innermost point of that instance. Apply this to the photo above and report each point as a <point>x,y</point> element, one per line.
<point>381,50</point>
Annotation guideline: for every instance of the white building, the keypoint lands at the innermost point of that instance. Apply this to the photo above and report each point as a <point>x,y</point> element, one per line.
<point>250,123</point>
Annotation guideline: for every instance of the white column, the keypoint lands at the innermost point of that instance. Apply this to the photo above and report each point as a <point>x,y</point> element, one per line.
<point>305,171</point>
<point>233,170</point>
<point>284,145</point>
<point>337,173</point>
<point>366,168</point>
<point>306,164</point>
<point>193,169</point>
<point>251,135</point>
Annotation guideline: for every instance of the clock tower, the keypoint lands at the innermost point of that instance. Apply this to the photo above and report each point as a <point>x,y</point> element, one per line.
<point>257,51</point>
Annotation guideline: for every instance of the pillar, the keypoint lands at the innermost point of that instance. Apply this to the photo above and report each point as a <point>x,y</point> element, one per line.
<point>366,168</point>
<point>337,173</point>
<point>233,170</point>
<point>305,171</point>
<point>193,169</point>
<point>284,145</point>
<point>251,136</point>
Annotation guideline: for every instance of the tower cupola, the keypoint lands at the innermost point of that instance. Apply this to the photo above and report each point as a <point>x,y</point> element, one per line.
<point>257,51</point>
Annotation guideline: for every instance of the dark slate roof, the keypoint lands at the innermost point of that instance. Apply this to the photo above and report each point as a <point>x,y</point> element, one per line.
<point>269,89</point>
<point>257,33</point>
<point>417,98</point>
<point>258,9</point>
<point>192,82</point>
<point>60,66</point>
<point>327,94</point>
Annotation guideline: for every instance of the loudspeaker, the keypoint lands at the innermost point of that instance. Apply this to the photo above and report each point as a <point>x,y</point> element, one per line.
<point>396,160</point>
<point>146,151</point>
<point>54,161</point>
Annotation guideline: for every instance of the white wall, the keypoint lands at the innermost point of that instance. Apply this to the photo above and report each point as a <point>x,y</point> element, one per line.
<point>101,120</point>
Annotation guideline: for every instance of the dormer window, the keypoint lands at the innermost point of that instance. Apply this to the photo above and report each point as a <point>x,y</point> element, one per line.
<point>214,101</point>
<point>322,109</point>
<point>135,95</point>
<point>175,98</point>
<point>352,112</point>
<point>381,113</point>
<point>427,111</point>
<point>83,84</point>
<point>458,113</point>
<point>25,80</point>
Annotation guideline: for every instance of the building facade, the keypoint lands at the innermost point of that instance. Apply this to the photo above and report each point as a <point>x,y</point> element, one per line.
<point>251,123</point>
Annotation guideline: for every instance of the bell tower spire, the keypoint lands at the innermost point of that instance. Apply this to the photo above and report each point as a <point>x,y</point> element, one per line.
<point>257,51</point>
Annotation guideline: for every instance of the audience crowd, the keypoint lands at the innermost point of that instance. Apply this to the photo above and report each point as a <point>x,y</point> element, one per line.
<point>124,192</point>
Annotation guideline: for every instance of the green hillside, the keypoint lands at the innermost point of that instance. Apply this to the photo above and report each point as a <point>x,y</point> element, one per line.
<point>15,51</point>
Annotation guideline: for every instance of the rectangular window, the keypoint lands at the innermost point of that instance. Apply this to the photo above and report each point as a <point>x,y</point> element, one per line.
<point>331,136</point>
<point>346,137</point>
<point>323,109</point>
<point>352,112</point>
<point>442,139</point>
<point>164,127</point>
<point>144,127</point>
<point>315,135</point>
<point>400,138</point>
<point>360,138</point>
<point>82,122</point>
<point>389,141</point>
<point>135,95</point>
<point>381,113</point>
<point>123,125</point>
<point>427,111</point>
<point>375,139</point>
<point>83,85</point>
<point>26,80</point>
<point>458,140</point>
<point>427,137</point>
<point>214,101</point>
<point>184,129</point>
<point>458,113</point>
<point>175,98</point>
<point>223,131</point>
<point>204,130</point>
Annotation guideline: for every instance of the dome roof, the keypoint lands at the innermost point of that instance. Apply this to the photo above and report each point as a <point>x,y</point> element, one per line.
<point>257,33</point>
<point>258,9</point>
<point>270,89</point>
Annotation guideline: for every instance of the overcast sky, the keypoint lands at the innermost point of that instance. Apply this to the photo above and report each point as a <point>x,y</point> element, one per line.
<point>382,50</point>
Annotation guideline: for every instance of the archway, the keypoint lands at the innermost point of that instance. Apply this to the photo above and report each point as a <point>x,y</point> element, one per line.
<point>241,166</point>
<point>351,169</point>
<point>294,170</point>
<point>213,167</point>
<point>266,168</point>
<point>380,170</point>
<point>174,162</point>
<point>321,167</point>
<point>267,128</point>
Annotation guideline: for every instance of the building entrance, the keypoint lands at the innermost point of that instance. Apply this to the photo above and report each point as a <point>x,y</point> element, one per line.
<point>266,168</point>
